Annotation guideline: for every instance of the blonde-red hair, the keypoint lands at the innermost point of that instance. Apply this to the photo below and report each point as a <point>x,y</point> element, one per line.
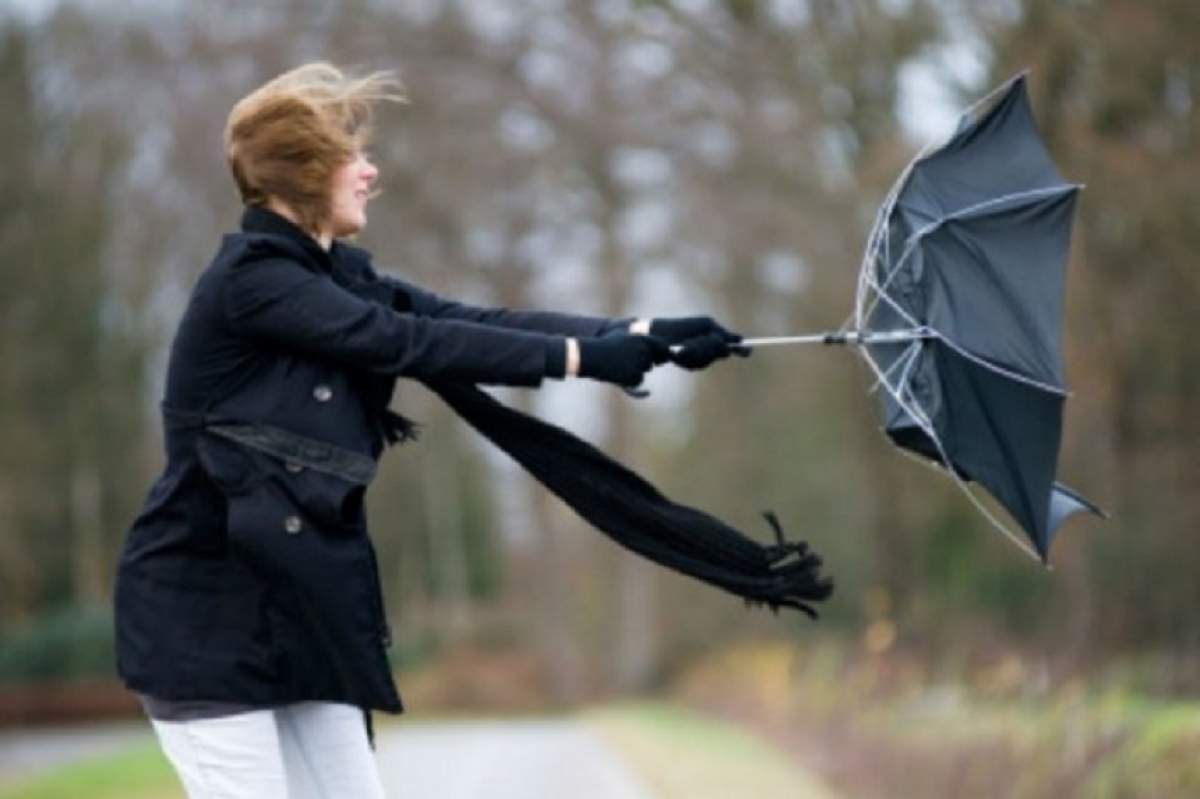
<point>285,139</point>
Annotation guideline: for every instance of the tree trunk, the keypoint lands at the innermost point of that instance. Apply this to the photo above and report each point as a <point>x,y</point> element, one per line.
<point>90,561</point>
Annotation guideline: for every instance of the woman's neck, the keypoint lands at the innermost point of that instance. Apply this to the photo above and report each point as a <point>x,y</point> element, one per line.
<point>323,238</point>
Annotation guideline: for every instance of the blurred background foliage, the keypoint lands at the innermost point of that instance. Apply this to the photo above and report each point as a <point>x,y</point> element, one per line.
<point>619,157</point>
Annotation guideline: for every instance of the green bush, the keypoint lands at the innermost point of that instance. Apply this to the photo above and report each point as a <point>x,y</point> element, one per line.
<point>65,643</point>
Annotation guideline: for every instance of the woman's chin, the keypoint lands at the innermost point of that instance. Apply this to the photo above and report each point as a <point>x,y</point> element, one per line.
<point>349,227</point>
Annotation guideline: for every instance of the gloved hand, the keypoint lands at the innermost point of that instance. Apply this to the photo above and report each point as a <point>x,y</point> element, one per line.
<point>701,351</point>
<point>680,329</point>
<point>621,358</point>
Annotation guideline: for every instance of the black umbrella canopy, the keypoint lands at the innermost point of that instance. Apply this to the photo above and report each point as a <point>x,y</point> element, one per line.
<point>970,250</point>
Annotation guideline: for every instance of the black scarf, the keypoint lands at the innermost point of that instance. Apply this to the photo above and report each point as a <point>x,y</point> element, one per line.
<point>636,515</point>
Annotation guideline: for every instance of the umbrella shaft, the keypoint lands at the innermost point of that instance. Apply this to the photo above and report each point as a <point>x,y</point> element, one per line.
<point>845,337</point>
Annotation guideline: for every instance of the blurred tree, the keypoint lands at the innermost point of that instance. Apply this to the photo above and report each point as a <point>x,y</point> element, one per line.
<point>1123,119</point>
<point>71,370</point>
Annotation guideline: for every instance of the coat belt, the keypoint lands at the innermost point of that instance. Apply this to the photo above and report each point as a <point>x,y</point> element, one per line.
<point>289,447</point>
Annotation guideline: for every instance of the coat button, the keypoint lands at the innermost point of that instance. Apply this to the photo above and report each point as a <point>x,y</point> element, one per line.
<point>323,393</point>
<point>293,467</point>
<point>292,525</point>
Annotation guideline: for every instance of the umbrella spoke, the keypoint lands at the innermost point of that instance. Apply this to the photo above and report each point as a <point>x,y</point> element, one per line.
<point>912,407</point>
<point>1000,370</point>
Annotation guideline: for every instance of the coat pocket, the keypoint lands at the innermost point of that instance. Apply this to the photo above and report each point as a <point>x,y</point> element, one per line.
<point>301,530</point>
<point>263,487</point>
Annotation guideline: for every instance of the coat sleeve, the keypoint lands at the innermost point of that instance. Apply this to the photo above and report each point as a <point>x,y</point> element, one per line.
<point>278,302</point>
<point>427,303</point>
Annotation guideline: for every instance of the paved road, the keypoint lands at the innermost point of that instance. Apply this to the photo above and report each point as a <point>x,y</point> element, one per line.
<point>509,759</point>
<point>502,759</point>
<point>24,753</point>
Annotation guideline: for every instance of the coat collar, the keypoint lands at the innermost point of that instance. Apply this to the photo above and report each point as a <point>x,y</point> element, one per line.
<point>346,263</point>
<point>256,219</point>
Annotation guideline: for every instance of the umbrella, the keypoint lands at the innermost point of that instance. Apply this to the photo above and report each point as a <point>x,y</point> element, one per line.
<point>958,313</point>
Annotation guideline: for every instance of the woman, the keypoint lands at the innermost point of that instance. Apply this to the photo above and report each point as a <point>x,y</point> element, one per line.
<point>248,609</point>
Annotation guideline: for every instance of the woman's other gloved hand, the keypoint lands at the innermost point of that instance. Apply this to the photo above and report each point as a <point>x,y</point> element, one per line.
<point>702,351</point>
<point>677,330</point>
<point>622,359</point>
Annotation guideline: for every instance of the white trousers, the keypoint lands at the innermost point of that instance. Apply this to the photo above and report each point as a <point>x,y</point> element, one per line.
<point>307,750</point>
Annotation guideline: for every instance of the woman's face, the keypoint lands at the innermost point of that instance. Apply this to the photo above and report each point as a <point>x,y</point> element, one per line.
<point>351,192</point>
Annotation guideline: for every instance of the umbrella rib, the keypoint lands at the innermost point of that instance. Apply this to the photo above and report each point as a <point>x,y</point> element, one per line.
<point>875,239</point>
<point>881,293</point>
<point>962,213</point>
<point>889,201</point>
<point>1000,370</point>
<point>902,383</point>
<point>907,355</point>
<point>991,518</point>
<point>908,358</point>
<point>970,210</point>
<point>918,415</point>
<point>958,348</point>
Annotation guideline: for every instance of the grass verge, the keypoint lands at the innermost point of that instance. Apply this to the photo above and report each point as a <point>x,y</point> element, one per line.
<point>680,753</point>
<point>141,773</point>
<point>886,726</point>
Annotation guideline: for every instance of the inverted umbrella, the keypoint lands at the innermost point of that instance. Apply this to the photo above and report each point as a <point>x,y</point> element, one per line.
<point>958,312</point>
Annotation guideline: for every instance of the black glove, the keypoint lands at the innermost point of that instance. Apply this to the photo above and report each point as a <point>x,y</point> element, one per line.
<point>680,329</point>
<point>622,359</point>
<point>701,351</point>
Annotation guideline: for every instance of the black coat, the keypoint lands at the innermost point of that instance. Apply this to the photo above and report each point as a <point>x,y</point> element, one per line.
<point>249,575</point>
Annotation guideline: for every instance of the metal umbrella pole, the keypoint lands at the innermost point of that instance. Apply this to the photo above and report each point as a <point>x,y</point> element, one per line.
<point>855,337</point>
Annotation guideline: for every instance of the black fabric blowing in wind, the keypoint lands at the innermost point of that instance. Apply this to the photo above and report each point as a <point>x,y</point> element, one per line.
<point>636,515</point>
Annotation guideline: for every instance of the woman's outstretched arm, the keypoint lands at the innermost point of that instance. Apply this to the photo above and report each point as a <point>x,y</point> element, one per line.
<point>427,303</point>
<point>279,302</point>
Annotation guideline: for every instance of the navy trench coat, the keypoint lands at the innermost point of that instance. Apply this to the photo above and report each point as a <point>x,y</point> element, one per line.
<point>249,575</point>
